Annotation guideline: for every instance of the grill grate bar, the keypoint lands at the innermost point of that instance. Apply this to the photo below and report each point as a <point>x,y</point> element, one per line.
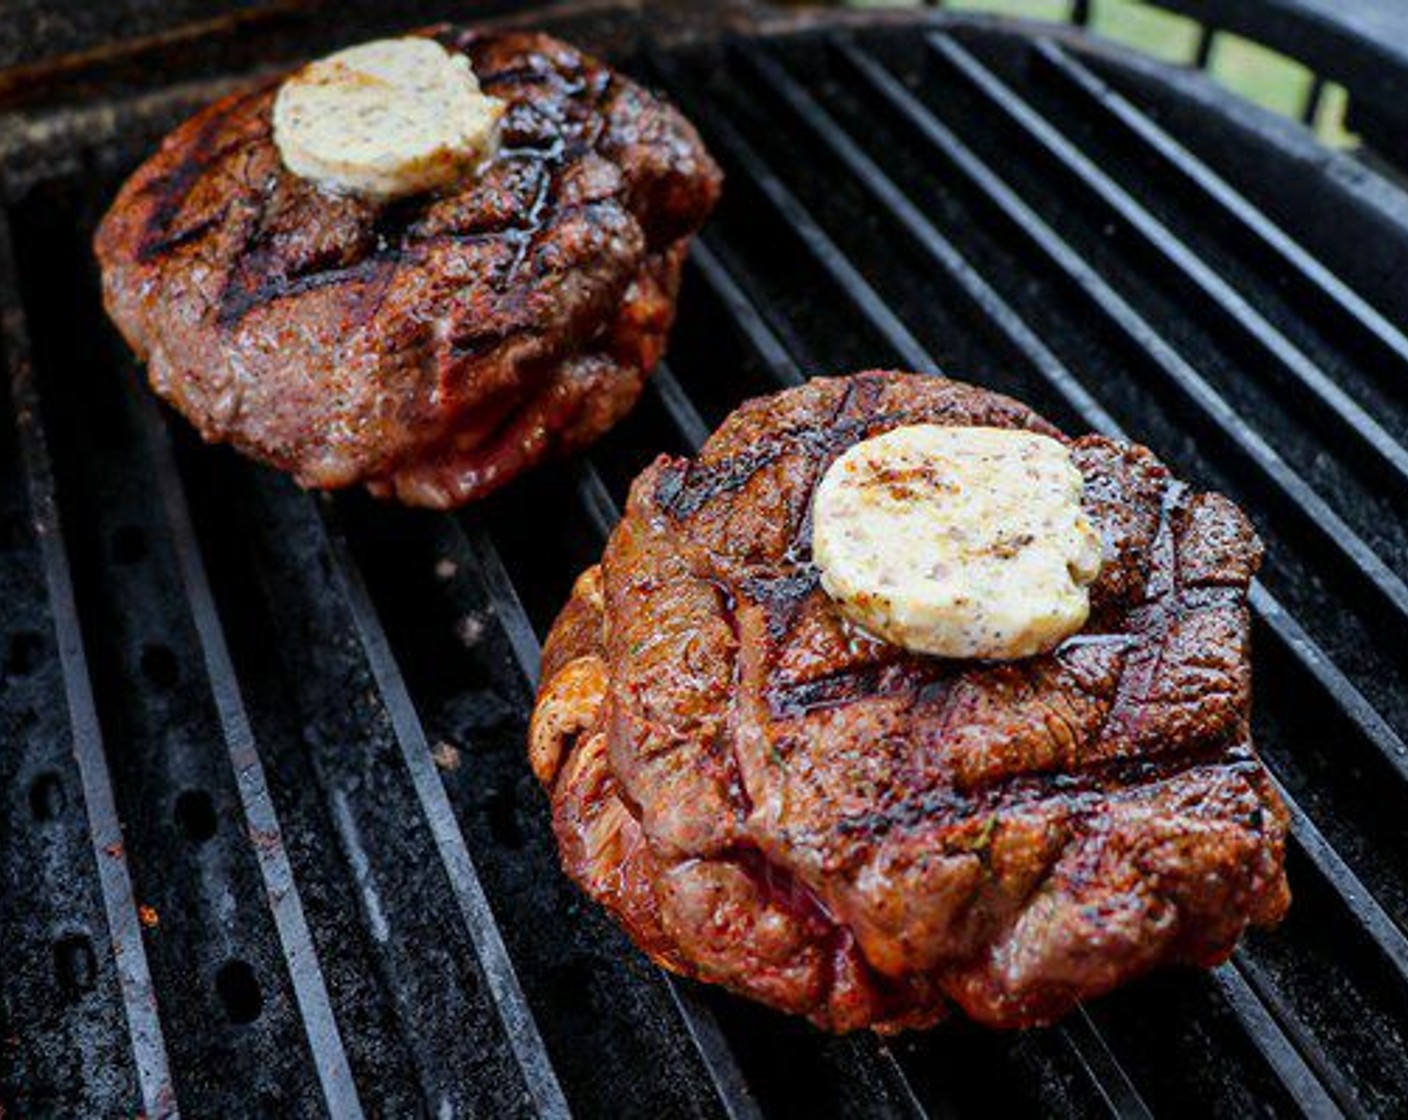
<point>894,1073</point>
<point>1103,1068</point>
<point>1328,676</point>
<point>1353,423</point>
<point>1349,890</point>
<point>756,333</point>
<point>677,405</point>
<point>730,1086</point>
<point>1356,897</point>
<point>295,940</point>
<point>539,1077</point>
<point>596,498</point>
<point>1312,511</point>
<point>508,609</point>
<point>709,1041</point>
<point>1328,292</point>
<point>119,902</point>
<point>743,313</point>
<point>1303,1084</point>
<point>1305,1043</point>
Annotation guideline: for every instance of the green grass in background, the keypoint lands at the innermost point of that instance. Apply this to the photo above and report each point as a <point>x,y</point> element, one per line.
<point>1151,30</point>
<point>1259,74</point>
<point>1248,69</point>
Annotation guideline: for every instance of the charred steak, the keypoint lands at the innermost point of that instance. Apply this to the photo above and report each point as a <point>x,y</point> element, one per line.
<point>430,347</point>
<point>771,800</point>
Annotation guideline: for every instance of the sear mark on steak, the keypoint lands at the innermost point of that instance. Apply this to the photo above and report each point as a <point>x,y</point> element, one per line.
<point>431,347</point>
<point>772,800</point>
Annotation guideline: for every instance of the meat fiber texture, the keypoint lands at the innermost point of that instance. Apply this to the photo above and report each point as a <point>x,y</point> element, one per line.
<point>431,347</point>
<point>772,800</point>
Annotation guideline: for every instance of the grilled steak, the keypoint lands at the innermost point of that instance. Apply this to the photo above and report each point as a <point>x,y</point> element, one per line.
<point>772,800</point>
<point>431,347</point>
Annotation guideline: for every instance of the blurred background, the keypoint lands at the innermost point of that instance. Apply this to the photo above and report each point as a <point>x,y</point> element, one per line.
<point>42,41</point>
<point>1248,68</point>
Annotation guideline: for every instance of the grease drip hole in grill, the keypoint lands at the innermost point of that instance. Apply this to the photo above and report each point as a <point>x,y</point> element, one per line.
<point>195,814</point>
<point>159,665</point>
<point>14,531</point>
<point>75,966</point>
<point>129,545</point>
<point>22,658</point>
<point>503,818</point>
<point>46,796</point>
<point>239,992</point>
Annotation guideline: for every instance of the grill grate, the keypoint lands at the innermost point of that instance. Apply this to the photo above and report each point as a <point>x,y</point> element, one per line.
<point>334,888</point>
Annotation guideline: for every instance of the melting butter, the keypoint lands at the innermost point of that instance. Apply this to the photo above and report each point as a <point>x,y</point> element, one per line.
<point>386,119</point>
<point>958,542</point>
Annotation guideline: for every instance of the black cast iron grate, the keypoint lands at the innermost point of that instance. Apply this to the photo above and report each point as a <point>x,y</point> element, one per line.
<point>333,889</point>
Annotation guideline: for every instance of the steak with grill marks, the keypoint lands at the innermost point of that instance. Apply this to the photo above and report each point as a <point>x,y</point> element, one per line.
<point>770,799</point>
<point>431,347</point>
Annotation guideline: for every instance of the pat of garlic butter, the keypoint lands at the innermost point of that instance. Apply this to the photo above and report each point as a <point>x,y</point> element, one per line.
<point>386,119</point>
<point>957,542</point>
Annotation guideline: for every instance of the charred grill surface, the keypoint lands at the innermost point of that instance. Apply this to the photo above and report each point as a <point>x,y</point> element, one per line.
<point>433,347</point>
<point>770,799</point>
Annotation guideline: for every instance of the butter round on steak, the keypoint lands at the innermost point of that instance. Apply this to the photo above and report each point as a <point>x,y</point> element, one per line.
<point>431,347</point>
<point>771,799</point>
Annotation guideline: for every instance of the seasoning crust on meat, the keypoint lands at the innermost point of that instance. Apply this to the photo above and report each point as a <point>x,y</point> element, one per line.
<point>770,799</point>
<point>430,347</point>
